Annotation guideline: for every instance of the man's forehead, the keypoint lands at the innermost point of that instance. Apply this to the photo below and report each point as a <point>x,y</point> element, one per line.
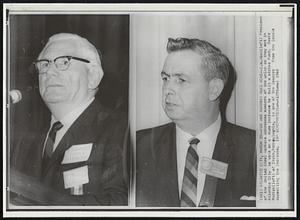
<point>60,48</point>
<point>182,59</point>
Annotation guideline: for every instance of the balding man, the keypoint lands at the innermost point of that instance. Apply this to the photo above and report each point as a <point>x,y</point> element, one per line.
<point>79,152</point>
<point>199,159</point>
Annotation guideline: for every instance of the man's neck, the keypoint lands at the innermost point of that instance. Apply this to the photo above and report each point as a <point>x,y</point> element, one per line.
<point>197,125</point>
<point>60,110</point>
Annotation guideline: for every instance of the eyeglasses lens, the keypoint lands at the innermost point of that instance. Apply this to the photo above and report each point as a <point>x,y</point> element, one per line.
<point>62,63</point>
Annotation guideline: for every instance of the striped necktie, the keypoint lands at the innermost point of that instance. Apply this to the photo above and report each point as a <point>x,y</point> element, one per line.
<point>50,143</point>
<point>189,182</point>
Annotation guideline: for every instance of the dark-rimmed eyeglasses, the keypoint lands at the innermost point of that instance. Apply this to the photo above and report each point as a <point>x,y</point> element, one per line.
<point>62,63</point>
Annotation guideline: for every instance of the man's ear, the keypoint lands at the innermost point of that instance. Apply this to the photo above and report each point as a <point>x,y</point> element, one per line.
<point>215,87</point>
<point>95,75</point>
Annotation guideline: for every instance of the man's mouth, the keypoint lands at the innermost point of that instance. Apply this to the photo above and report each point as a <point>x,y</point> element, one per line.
<point>54,86</point>
<point>170,104</point>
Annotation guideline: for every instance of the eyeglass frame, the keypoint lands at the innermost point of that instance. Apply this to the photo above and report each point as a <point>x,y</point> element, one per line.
<point>53,61</point>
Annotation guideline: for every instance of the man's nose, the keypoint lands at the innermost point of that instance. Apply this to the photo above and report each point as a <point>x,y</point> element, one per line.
<point>170,87</point>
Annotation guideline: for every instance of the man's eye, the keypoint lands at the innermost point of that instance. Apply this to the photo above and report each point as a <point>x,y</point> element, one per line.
<point>44,64</point>
<point>181,80</point>
<point>62,62</point>
<point>164,78</point>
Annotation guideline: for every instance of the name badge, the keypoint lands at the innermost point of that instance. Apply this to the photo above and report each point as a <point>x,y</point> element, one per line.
<point>77,153</point>
<point>213,168</point>
<point>76,177</point>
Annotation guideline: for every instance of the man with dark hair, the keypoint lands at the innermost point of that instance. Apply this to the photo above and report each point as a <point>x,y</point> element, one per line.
<point>79,153</point>
<point>199,159</point>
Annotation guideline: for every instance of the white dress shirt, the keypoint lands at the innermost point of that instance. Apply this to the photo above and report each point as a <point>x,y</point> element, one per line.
<point>205,148</point>
<point>67,121</point>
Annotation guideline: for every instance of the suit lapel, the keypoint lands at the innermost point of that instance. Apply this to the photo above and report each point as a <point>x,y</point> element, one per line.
<point>223,152</point>
<point>166,169</point>
<point>80,132</point>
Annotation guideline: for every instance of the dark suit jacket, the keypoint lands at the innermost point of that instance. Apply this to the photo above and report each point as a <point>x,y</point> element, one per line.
<point>157,177</point>
<point>106,130</point>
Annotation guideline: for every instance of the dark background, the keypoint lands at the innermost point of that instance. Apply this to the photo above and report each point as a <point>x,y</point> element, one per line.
<point>27,35</point>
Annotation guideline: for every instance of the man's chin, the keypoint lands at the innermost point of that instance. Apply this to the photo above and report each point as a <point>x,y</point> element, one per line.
<point>172,114</point>
<point>54,99</point>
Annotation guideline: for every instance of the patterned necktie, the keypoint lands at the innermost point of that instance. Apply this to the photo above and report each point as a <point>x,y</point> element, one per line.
<point>50,143</point>
<point>189,183</point>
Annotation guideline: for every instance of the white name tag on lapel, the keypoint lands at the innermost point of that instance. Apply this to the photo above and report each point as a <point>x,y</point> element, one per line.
<point>76,177</point>
<point>213,167</point>
<point>77,153</point>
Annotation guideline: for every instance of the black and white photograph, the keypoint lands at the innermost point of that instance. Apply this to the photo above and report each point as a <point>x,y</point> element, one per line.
<point>143,110</point>
<point>196,135</point>
<point>68,91</point>
<point>199,159</point>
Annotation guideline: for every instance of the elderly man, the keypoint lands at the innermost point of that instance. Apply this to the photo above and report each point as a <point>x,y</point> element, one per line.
<point>80,152</point>
<point>199,159</point>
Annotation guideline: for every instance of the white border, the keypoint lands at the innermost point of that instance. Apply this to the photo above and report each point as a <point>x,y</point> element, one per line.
<point>237,9</point>
<point>100,8</point>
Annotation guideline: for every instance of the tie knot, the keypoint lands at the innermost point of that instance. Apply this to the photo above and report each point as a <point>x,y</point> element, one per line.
<point>194,141</point>
<point>56,126</point>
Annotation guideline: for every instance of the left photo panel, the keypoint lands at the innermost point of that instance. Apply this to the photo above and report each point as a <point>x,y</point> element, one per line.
<point>67,110</point>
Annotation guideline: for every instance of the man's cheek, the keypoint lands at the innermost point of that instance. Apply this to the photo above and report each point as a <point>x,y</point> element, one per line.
<point>41,87</point>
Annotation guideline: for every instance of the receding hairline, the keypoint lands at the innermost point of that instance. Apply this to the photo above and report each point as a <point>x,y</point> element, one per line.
<point>80,42</point>
<point>187,50</point>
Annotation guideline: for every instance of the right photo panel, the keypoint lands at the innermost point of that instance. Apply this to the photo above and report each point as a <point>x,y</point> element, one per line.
<point>212,122</point>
